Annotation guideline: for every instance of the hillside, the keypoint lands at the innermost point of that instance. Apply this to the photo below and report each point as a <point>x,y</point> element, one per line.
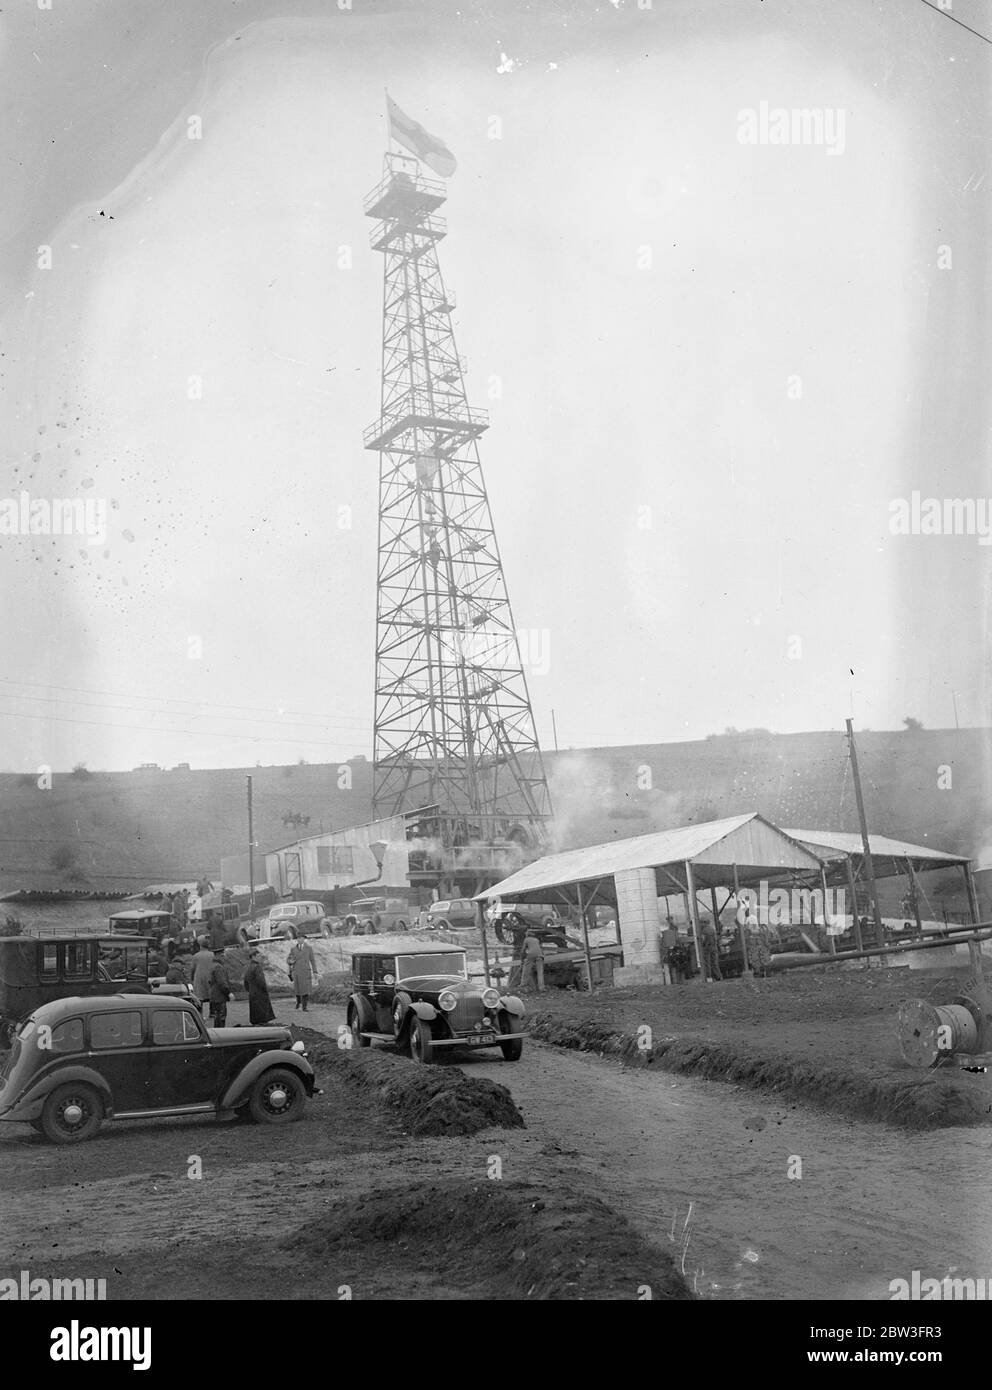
<point>125,829</point>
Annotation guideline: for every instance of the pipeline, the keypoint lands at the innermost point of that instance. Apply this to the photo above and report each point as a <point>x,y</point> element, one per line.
<point>982,932</point>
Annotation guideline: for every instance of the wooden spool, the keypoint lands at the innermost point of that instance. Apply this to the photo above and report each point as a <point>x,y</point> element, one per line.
<point>930,1034</point>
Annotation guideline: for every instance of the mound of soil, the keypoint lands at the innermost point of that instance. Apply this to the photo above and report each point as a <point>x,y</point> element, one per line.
<point>495,1239</point>
<point>425,1100</point>
<point>927,1101</point>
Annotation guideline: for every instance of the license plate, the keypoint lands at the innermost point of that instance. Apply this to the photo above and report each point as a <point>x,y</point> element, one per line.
<point>480,1039</point>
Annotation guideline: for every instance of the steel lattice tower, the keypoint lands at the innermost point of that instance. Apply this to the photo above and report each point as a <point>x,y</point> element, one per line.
<point>454,729</point>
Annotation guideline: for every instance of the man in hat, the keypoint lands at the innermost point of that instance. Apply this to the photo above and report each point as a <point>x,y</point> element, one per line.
<point>220,990</point>
<point>200,968</point>
<point>260,1010</point>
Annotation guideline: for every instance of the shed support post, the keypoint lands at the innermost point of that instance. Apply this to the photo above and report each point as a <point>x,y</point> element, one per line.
<point>914,893</point>
<point>740,925</point>
<point>852,888</point>
<point>694,918</point>
<point>480,921</point>
<point>823,889</point>
<point>585,934</point>
<point>974,949</point>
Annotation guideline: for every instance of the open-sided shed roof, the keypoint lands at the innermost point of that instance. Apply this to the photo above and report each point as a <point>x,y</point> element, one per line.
<point>758,849</point>
<point>888,856</point>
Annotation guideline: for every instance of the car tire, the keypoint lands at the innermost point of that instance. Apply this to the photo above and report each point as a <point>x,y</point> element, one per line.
<point>369,928</point>
<point>64,1102</point>
<point>443,924</point>
<point>513,1050</point>
<point>503,934</point>
<point>355,1027</point>
<point>401,925</point>
<point>264,1105</point>
<point>421,1044</point>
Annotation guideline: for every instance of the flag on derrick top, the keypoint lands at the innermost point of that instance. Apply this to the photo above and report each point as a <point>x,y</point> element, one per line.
<point>412,136</point>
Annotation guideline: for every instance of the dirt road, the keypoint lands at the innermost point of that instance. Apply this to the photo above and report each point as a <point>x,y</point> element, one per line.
<point>873,1202</point>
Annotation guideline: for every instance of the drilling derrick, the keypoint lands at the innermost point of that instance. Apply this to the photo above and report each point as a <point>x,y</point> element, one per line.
<point>454,733</point>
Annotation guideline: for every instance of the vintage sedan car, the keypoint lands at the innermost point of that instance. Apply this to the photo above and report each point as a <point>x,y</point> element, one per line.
<point>378,916</point>
<point>291,921</point>
<point>77,1062</point>
<point>452,914</point>
<point>423,1000</point>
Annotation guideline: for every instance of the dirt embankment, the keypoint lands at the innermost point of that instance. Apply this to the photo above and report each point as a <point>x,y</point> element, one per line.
<point>423,1100</point>
<point>826,1037</point>
<point>535,1242</point>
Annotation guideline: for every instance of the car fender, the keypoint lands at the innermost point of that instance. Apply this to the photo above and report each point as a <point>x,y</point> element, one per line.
<point>512,1004</point>
<point>423,1010</point>
<point>238,1090</point>
<point>365,1011</point>
<point>31,1103</point>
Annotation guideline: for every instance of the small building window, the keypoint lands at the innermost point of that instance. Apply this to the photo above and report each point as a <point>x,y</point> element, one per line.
<point>342,859</point>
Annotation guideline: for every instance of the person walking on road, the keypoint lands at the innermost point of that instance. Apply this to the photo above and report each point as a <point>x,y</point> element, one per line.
<point>302,967</point>
<point>260,1010</point>
<point>220,990</point>
<point>711,950</point>
<point>200,968</point>
<point>532,970</point>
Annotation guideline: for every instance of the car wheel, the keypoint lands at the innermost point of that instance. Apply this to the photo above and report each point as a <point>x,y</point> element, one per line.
<point>72,1113</point>
<point>421,1046</point>
<point>503,934</point>
<point>512,1050</point>
<point>285,934</point>
<point>443,924</point>
<point>277,1096</point>
<point>354,1024</point>
<point>369,928</point>
<point>401,925</point>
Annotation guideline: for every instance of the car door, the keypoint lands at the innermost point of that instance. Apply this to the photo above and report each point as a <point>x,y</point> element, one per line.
<point>183,1067</point>
<point>117,1051</point>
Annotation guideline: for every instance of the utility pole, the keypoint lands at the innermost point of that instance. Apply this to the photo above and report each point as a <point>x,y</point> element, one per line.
<point>866,847</point>
<point>251,856</point>
<point>554,730</point>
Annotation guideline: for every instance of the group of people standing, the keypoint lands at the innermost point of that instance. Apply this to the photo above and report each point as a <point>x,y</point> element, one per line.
<point>211,983</point>
<point>210,980</point>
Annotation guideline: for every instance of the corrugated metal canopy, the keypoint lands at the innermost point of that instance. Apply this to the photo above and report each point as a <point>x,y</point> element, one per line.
<point>888,856</point>
<point>758,848</point>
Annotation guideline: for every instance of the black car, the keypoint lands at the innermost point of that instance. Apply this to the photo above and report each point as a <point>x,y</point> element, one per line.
<point>34,970</point>
<point>77,1062</point>
<point>423,1000</point>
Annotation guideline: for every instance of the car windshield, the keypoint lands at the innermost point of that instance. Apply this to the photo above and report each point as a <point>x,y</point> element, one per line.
<point>288,911</point>
<point>441,963</point>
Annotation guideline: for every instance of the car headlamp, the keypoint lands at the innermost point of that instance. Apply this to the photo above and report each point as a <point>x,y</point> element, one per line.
<point>490,998</point>
<point>447,1001</point>
<point>298,1047</point>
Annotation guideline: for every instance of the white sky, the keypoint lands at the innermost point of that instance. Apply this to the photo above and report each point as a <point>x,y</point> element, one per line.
<point>622,388</point>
